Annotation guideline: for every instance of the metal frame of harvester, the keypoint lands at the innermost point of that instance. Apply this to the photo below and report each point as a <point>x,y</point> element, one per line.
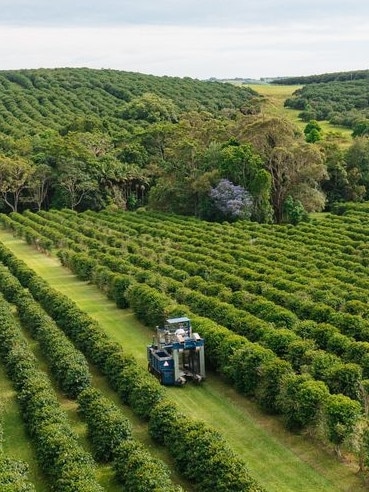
<point>177,353</point>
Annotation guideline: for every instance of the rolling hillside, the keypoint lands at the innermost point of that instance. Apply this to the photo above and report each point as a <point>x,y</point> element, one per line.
<point>32,101</point>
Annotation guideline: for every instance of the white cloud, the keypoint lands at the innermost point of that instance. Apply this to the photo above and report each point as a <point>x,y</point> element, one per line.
<point>174,12</point>
<point>253,50</point>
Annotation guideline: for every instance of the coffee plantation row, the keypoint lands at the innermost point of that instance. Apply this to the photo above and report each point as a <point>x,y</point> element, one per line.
<point>54,321</point>
<point>283,309</point>
<point>46,424</point>
<point>35,100</point>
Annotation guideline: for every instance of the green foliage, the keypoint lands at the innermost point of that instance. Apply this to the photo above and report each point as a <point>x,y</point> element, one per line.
<point>15,174</point>
<point>66,464</point>
<point>103,157</point>
<point>302,400</point>
<point>279,341</point>
<point>337,187</point>
<point>162,418</point>
<point>150,306</point>
<point>165,142</point>
<point>295,167</point>
<point>298,353</point>
<point>82,265</point>
<point>295,211</point>
<point>138,471</point>
<point>365,446</point>
<point>244,367</point>
<point>346,379</point>
<point>140,391</point>
<point>135,386</point>
<point>191,442</point>
<point>361,128</point>
<point>272,376</point>
<point>119,286</point>
<point>357,162</point>
<point>313,132</point>
<point>97,94</point>
<point>342,102</point>
<point>151,108</point>
<point>342,415</point>
<point>242,165</point>
<point>107,426</point>
<point>13,475</point>
<point>299,291</point>
<point>324,77</point>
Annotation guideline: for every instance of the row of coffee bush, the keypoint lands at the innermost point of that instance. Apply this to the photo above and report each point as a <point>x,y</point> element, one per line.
<point>137,387</point>
<point>61,458</point>
<point>108,429</point>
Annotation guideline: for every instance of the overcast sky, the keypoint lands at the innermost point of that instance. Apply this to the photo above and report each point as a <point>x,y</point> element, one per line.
<point>195,38</point>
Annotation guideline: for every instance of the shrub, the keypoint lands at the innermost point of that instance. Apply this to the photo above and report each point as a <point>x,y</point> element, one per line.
<point>342,415</point>
<point>199,451</point>
<point>149,305</point>
<point>13,475</point>
<point>301,401</point>
<point>244,364</point>
<point>138,471</point>
<point>107,426</point>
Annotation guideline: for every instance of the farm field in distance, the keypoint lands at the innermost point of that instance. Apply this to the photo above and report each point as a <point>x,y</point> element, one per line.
<point>276,286</point>
<point>274,106</point>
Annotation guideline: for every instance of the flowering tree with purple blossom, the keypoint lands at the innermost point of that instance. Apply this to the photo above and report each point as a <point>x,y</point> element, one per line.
<point>234,202</point>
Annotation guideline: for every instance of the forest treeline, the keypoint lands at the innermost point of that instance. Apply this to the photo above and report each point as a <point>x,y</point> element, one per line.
<point>323,77</point>
<point>91,139</point>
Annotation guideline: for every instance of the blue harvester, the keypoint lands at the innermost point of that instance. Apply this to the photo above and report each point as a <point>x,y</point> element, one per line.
<point>177,354</point>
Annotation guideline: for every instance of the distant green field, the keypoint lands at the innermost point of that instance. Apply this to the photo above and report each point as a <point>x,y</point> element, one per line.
<point>277,94</point>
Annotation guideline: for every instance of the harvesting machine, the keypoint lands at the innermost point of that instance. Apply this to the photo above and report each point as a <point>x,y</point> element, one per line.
<point>177,353</point>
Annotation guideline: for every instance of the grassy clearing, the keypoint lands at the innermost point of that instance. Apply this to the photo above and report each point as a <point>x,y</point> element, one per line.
<point>281,461</point>
<point>275,97</point>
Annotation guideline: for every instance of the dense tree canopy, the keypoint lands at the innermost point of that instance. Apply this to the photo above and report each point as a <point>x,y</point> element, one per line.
<point>83,138</point>
<point>296,168</point>
<point>324,77</point>
<point>15,174</point>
